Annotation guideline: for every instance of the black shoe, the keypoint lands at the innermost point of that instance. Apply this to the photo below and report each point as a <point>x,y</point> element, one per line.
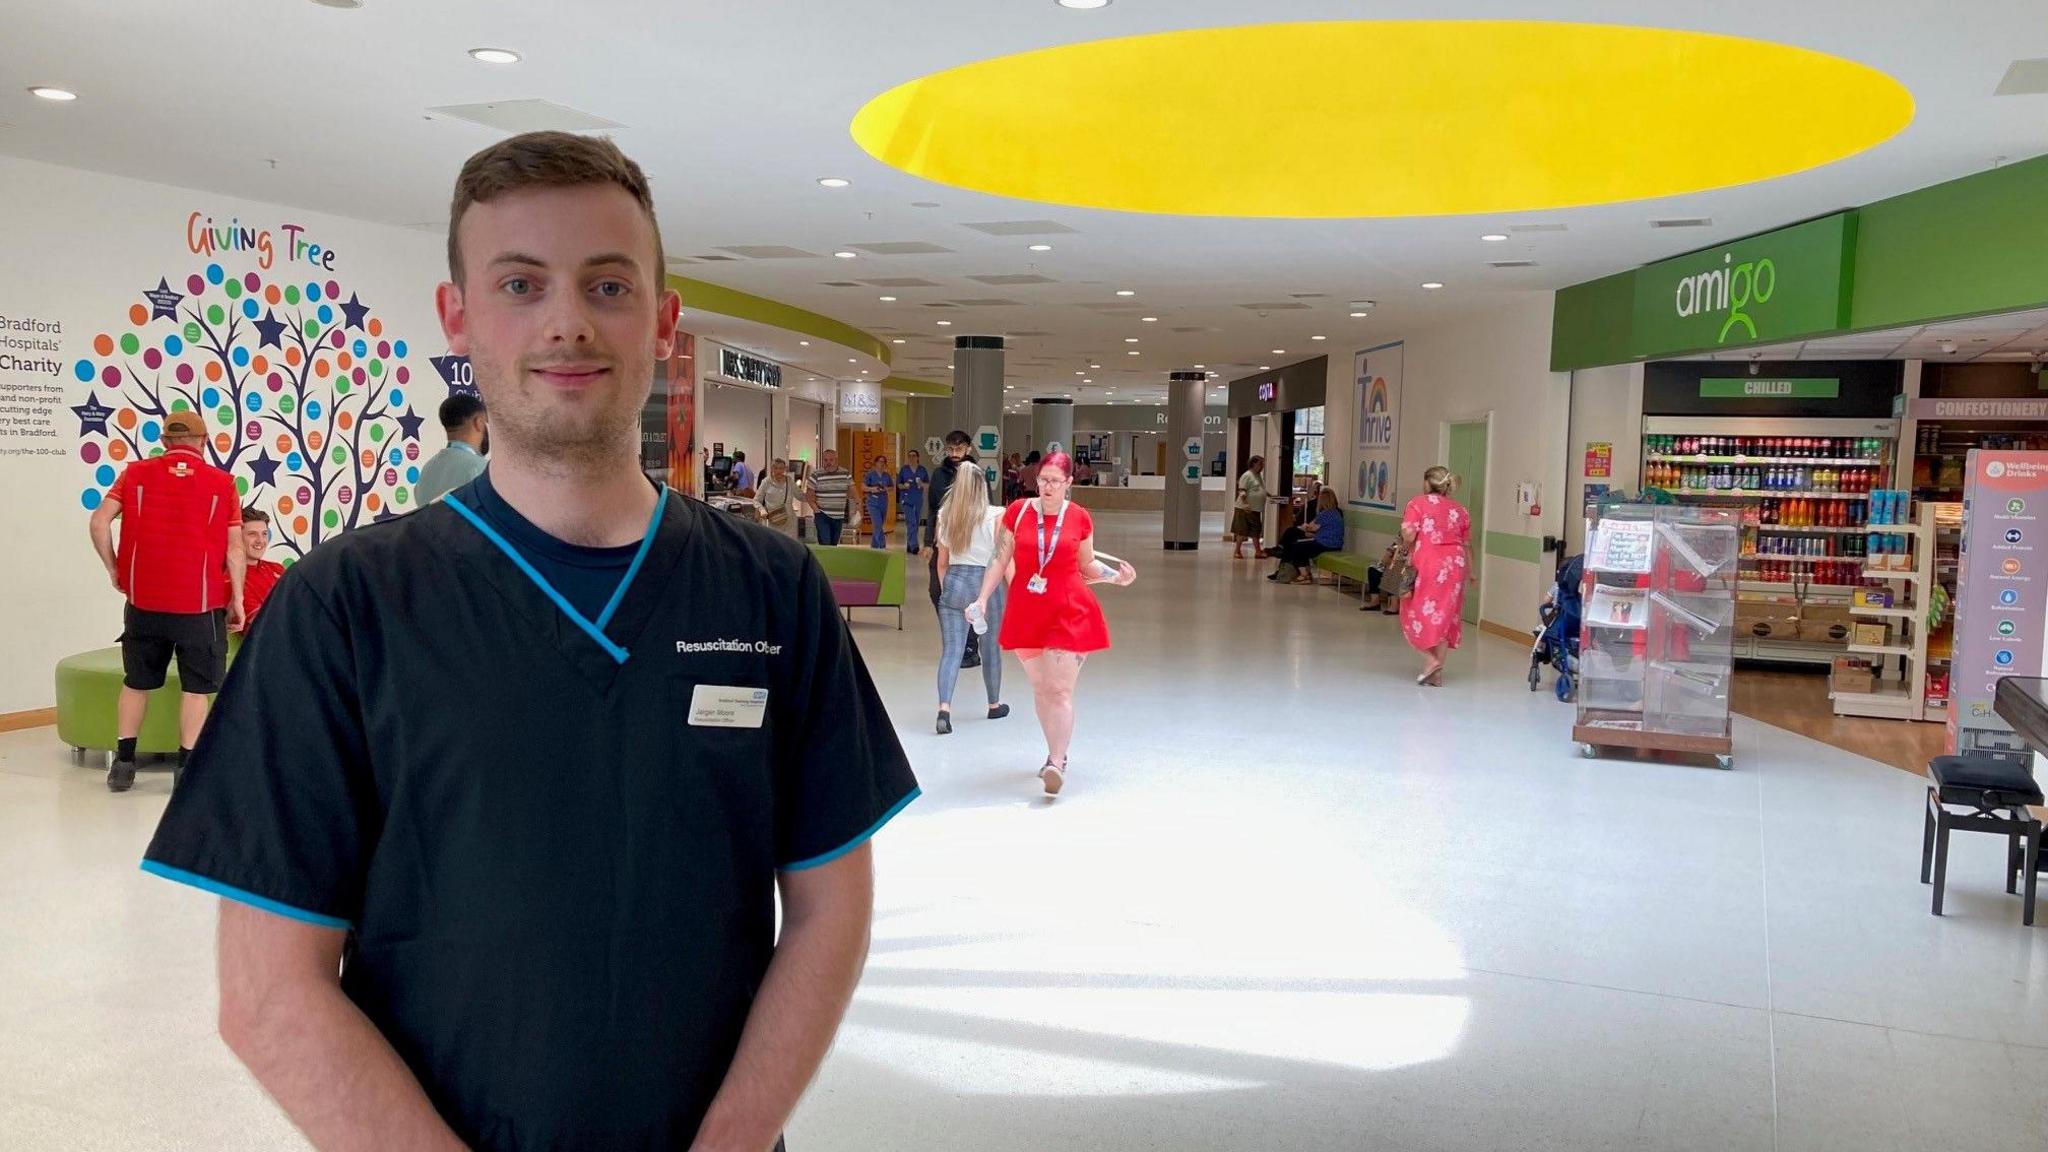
<point>998,711</point>
<point>971,660</point>
<point>121,777</point>
<point>945,723</point>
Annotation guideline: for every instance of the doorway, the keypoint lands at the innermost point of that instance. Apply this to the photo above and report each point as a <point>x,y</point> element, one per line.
<point>1465,456</point>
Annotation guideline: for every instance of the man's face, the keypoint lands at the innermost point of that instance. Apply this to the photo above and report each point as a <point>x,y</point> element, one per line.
<point>956,451</point>
<point>563,316</point>
<point>830,459</point>
<point>255,539</point>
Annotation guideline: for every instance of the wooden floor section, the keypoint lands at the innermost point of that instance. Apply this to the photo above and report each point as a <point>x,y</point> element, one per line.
<point>1797,701</point>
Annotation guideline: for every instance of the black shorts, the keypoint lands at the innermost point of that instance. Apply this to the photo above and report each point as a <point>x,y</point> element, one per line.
<point>199,639</point>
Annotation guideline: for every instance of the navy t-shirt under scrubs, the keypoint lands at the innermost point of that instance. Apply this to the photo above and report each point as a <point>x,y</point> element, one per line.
<point>550,822</point>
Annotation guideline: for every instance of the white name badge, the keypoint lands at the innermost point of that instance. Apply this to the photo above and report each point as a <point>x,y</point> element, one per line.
<point>719,706</point>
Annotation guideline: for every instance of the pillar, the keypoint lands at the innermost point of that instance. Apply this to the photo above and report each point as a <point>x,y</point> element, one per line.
<point>978,402</point>
<point>1183,526</point>
<point>1052,424</point>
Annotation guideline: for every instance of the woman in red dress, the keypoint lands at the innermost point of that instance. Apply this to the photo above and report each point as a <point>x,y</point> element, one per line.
<point>1436,530</point>
<point>1052,621</point>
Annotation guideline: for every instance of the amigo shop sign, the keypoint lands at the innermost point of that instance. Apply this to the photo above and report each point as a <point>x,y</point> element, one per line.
<point>1766,289</point>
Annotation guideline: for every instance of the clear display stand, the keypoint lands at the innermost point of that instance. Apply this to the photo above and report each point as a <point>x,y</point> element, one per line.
<point>1658,633</point>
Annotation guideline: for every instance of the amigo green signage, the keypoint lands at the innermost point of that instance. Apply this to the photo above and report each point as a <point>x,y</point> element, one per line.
<point>1778,286</point>
<point>1749,386</point>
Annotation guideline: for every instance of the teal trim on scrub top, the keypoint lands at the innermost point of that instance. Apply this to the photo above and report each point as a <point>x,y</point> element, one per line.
<point>229,891</point>
<point>857,841</point>
<point>594,630</point>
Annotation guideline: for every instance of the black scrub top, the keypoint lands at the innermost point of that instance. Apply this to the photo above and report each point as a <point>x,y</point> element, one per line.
<point>559,891</point>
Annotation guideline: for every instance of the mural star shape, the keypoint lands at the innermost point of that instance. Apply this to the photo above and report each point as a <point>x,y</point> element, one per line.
<point>409,423</point>
<point>163,300</point>
<point>271,329</point>
<point>92,416</point>
<point>263,469</point>
<point>354,312</point>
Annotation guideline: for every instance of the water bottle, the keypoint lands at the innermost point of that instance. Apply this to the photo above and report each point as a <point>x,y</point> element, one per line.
<point>977,619</point>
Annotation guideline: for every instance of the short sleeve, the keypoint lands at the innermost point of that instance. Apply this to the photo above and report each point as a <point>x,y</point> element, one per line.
<point>276,808</point>
<point>840,772</point>
<point>123,490</point>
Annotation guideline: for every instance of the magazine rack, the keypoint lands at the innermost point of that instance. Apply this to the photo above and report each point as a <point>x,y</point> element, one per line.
<point>1657,639</point>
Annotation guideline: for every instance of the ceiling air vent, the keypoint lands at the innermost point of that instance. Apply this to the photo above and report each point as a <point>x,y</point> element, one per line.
<point>768,252</point>
<point>1683,222</point>
<point>516,116</point>
<point>1021,228</point>
<point>1511,264</point>
<point>713,257</point>
<point>2024,78</point>
<point>900,248</point>
<point>1524,228</point>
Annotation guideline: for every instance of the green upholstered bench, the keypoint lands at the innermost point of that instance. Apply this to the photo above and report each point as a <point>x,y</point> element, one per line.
<point>89,689</point>
<point>1345,566</point>
<point>863,577</point>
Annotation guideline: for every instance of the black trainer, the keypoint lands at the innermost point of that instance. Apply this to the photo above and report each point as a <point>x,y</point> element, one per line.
<point>121,777</point>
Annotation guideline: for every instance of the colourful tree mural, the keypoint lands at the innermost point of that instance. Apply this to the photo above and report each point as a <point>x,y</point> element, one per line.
<point>305,392</point>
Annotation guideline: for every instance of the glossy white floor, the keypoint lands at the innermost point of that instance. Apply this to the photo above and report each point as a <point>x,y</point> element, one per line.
<point>1289,901</point>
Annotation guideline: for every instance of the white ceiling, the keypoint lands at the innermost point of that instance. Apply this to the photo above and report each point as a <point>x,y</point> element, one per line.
<point>737,109</point>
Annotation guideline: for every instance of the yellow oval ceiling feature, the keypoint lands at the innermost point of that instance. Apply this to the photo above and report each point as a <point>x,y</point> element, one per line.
<point>1382,118</point>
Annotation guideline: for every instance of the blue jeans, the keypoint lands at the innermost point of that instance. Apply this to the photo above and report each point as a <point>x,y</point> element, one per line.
<point>913,516</point>
<point>963,584</point>
<point>828,528</point>
<point>878,519</point>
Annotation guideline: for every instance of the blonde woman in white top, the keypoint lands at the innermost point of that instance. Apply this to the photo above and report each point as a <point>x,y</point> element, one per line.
<point>776,496</point>
<point>966,541</point>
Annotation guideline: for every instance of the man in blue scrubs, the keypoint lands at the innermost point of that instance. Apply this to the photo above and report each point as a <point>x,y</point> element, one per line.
<point>911,482</point>
<point>529,767</point>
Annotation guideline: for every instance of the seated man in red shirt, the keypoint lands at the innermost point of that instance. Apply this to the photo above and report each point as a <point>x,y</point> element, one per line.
<point>262,575</point>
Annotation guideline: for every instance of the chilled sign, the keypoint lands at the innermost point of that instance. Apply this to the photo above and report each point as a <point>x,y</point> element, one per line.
<point>752,369</point>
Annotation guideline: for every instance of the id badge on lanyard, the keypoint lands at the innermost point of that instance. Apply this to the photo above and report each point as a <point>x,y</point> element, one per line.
<point>1037,582</point>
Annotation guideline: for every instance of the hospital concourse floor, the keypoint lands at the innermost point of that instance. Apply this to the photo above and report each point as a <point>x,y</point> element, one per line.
<point>1288,900</point>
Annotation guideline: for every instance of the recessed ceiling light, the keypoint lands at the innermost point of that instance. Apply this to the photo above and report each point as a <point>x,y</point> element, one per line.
<point>1494,237</point>
<point>1279,351</point>
<point>1041,247</point>
<point>1360,315</point>
<point>851,360</point>
<point>1080,373</point>
<point>339,3</point>
<point>1083,5</point>
<point>1150,319</point>
<point>895,341</point>
<point>1201,365</point>
<point>1265,367</point>
<point>495,55</point>
<point>1087,379</point>
<point>945,323</point>
<point>1132,352</point>
<point>1130,339</point>
<point>833,182</point>
<point>803,343</point>
<point>1319,337</point>
<point>60,95</point>
<point>886,299</point>
<point>1095,365</point>
<point>1431,286</point>
<point>846,255</point>
<point>1125,292</point>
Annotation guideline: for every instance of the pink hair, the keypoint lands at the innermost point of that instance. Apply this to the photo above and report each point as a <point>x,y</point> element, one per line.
<point>1059,460</point>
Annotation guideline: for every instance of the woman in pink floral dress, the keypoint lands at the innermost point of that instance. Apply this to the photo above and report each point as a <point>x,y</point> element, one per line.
<point>1436,530</point>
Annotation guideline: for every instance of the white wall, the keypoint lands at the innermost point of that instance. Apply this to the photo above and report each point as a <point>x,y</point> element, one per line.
<point>1491,360</point>
<point>738,418</point>
<point>80,251</point>
<point>1607,407</point>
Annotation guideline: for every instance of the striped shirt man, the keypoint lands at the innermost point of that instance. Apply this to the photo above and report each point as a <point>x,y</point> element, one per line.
<point>830,486</point>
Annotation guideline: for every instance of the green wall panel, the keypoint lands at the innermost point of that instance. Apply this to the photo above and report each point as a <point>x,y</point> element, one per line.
<point>1965,248</point>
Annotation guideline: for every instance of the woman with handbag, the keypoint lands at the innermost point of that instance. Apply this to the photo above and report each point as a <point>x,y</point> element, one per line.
<point>775,496</point>
<point>1435,530</point>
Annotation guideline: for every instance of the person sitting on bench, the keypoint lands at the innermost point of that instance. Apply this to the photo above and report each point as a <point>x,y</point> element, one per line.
<point>1298,548</point>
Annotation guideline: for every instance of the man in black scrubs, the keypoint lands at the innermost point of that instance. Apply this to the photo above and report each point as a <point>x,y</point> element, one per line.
<point>529,766</point>
<point>957,448</point>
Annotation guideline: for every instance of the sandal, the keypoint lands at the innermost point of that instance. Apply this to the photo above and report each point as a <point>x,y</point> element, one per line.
<point>1054,776</point>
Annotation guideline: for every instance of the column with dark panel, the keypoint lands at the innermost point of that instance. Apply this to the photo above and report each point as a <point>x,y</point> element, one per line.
<point>1183,526</point>
<point>1052,424</point>
<point>978,402</point>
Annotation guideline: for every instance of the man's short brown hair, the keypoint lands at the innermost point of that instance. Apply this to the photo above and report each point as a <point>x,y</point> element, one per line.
<point>546,160</point>
<point>255,516</point>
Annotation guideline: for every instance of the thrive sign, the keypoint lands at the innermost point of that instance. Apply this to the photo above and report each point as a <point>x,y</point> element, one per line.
<point>1778,286</point>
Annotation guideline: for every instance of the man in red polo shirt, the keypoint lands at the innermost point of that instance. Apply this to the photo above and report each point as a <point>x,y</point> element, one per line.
<point>180,564</point>
<point>262,574</point>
